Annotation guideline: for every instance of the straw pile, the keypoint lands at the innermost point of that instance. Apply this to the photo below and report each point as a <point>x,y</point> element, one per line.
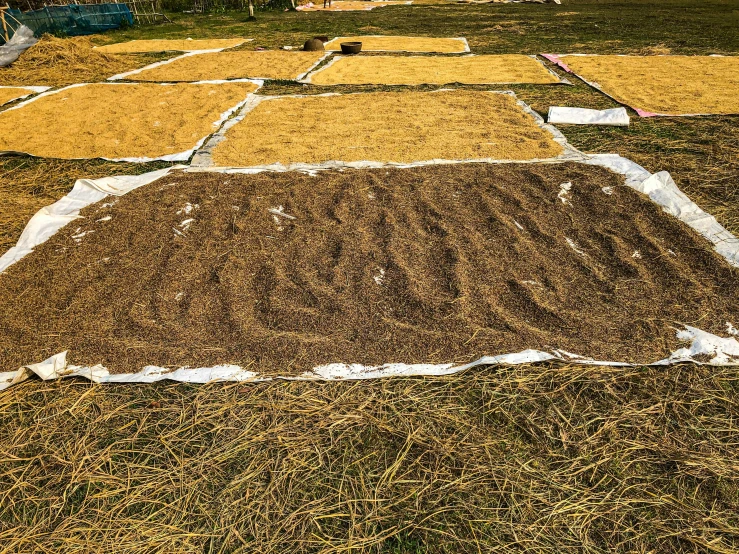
<point>65,61</point>
<point>401,44</point>
<point>671,85</point>
<point>386,126</point>
<point>558,458</point>
<point>119,120</point>
<point>169,45</point>
<point>415,70</point>
<point>440,264</point>
<point>268,64</point>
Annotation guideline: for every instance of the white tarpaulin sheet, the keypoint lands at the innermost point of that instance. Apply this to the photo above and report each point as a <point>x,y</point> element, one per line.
<point>584,116</point>
<point>659,187</point>
<point>203,157</point>
<point>30,91</point>
<point>127,74</point>
<point>557,60</point>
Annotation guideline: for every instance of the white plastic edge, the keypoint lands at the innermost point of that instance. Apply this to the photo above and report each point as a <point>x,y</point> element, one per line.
<point>203,51</point>
<point>337,40</point>
<point>177,157</point>
<point>49,220</point>
<point>723,352</point>
<point>31,90</point>
<point>127,74</point>
<point>307,77</point>
<point>202,160</point>
<point>637,109</point>
<point>584,116</point>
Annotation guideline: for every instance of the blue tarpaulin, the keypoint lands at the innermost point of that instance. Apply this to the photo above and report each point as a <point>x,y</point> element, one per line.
<point>73,20</point>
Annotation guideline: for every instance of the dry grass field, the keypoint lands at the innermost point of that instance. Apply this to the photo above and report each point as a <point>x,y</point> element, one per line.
<point>542,458</point>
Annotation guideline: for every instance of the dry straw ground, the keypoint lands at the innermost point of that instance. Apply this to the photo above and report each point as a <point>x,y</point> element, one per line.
<point>665,84</point>
<point>400,43</point>
<point>58,62</point>
<point>168,45</point>
<point>385,126</point>
<point>269,64</point>
<point>544,458</point>
<point>414,70</point>
<point>115,121</point>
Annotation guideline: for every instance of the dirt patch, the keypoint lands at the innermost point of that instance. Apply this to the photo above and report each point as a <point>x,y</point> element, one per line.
<point>404,44</point>
<point>349,6</point>
<point>665,84</point>
<point>119,120</point>
<point>268,64</point>
<point>385,126</point>
<point>169,45</point>
<point>59,62</point>
<point>414,70</point>
<point>7,94</point>
<point>282,272</point>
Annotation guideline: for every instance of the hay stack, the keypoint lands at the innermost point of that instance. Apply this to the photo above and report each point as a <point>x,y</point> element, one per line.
<point>62,61</point>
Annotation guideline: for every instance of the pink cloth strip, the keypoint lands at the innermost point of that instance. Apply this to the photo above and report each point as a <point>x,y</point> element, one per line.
<point>554,58</point>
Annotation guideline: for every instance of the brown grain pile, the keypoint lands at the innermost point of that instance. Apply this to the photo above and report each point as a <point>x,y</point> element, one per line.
<point>435,264</point>
<point>415,70</point>
<point>169,45</point>
<point>386,126</point>
<point>28,184</point>
<point>672,85</point>
<point>119,120</point>
<point>8,94</point>
<point>267,64</point>
<point>65,61</point>
<point>402,44</point>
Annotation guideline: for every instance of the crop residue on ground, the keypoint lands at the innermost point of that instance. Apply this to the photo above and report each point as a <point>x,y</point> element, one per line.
<point>440,264</point>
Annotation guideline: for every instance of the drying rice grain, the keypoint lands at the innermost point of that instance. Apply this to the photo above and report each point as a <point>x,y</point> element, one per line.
<point>386,126</point>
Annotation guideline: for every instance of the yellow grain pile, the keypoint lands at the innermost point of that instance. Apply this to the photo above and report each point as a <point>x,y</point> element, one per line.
<point>385,127</point>
<point>416,70</point>
<point>348,6</point>
<point>266,64</point>
<point>169,45</point>
<point>118,120</point>
<point>11,93</point>
<point>402,44</point>
<point>671,85</point>
<point>65,61</point>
